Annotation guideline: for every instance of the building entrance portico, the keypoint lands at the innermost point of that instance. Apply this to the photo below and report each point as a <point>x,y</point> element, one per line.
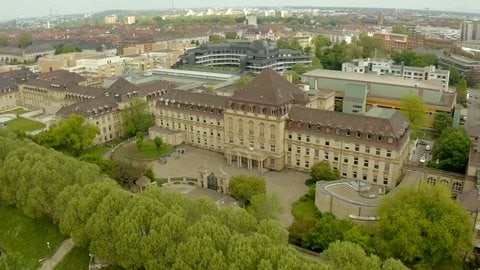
<point>246,159</point>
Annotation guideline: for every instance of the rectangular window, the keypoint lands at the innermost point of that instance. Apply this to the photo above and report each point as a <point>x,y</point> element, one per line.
<point>385,181</point>
<point>299,137</point>
<point>389,153</point>
<point>367,149</point>
<point>376,166</point>
<point>289,148</point>
<point>377,151</point>
<point>290,135</point>
<point>327,143</point>
<point>355,161</point>
<point>307,151</point>
<point>272,148</point>
<point>317,140</point>
<point>365,163</point>
<point>345,160</point>
<point>297,162</point>
<point>326,155</point>
<point>387,167</point>
<point>241,141</point>
<point>262,146</point>
<point>354,174</point>
<point>307,164</point>
<point>307,138</point>
<point>298,150</point>
<point>357,147</point>
<point>375,178</point>
<point>317,152</point>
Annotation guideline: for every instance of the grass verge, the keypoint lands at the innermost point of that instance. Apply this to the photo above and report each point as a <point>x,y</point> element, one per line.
<point>146,151</point>
<point>23,124</point>
<point>77,258</point>
<point>305,208</point>
<point>28,236</point>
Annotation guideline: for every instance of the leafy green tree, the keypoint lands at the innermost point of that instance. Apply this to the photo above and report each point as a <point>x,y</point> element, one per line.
<point>393,264</point>
<point>399,29</point>
<point>104,164</point>
<point>73,133</point>
<point>243,81</point>
<point>326,230</point>
<point>422,225</point>
<point>216,39</point>
<point>137,117</point>
<point>451,150</point>
<point>126,173</point>
<point>322,171</point>
<point>3,41</point>
<point>461,91</point>
<point>265,206</point>
<point>454,76</point>
<point>12,261</point>
<point>66,48</point>
<point>158,142</point>
<point>414,109</point>
<point>294,76</point>
<point>299,68</point>
<point>441,121</point>
<point>244,188</point>
<point>346,255</point>
<point>231,35</point>
<point>25,39</point>
<point>371,46</point>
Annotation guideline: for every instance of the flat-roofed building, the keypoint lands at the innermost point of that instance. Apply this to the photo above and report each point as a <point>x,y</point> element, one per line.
<point>364,91</point>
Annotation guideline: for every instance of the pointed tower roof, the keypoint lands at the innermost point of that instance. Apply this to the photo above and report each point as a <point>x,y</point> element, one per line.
<point>121,86</point>
<point>269,88</point>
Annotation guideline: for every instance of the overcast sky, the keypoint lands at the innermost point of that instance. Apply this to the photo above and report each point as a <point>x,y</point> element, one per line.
<point>30,8</point>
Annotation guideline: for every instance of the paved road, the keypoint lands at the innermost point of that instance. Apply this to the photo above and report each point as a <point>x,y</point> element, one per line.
<point>287,185</point>
<point>61,252</point>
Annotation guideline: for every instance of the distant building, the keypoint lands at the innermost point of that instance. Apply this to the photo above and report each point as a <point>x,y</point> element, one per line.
<point>129,20</point>
<point>469,31</point>
<point>386,67</point>
<point>252,20</point>
<point>111,19</point>
<point>252,56</point>
<point>28,54</point>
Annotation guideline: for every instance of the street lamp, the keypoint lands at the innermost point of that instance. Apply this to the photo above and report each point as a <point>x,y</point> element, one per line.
<point>48,245</point>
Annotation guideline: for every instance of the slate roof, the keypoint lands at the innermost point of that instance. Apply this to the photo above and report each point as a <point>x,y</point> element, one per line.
<point>394,126</point>
<point>90,107</point>
<point>121,86</point>
<point>61,77</point>
<point>269,88</point>
<point>470,200</point>
<point>202,99</point>
<point>19,74</point>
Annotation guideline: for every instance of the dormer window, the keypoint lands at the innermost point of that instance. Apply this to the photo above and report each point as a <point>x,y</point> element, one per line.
<point>379,138</point>
<point>358,134</point>
<point>347,132</point>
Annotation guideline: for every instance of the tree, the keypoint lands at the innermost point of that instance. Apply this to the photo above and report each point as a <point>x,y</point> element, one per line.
<point>137,117</point>
<point>216,39</point>
<point>441,121</point>
<point>25,39</point>
<point>322,171</point>
<point>371,46</point>
<point>414,109</point>
<point>139,141</point>
<point>454,76</point>
<point>244,188</point>
<point>326,231</point>
<point>462,91</point>
<point>66,48</point>
<point>399,29</point>
<point>158,142</point>
<point>299,68</point>
<point>104,164</point>
<point>231,35</point>
<point>346,255</point>
<point>243,81</point>
<point>451,150</point>
<point>265,206</point>
<point>3,41</point>
<point>422,225</point>
<point>71,133</point>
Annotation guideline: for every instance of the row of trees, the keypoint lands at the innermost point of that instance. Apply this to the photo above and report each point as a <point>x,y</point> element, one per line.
<point>154,230</point>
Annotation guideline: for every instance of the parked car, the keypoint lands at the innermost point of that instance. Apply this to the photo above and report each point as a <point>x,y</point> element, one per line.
<point>423,159</point>
<point>428,147</point>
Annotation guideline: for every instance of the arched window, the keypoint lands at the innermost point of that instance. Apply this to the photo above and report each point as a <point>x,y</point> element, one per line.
<point>431,180</point>
<point>444,182</point>
<point>230,124</point>
<point>261,130</point>
<point>457,186</point>
<point>251,131</point>
<point>240,126</point>
<point>272,131</point>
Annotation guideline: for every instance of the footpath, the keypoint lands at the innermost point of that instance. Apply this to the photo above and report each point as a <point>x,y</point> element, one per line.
<point>62,251</point>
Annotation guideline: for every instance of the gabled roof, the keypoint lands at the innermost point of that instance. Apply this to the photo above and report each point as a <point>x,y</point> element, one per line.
<point>394,125</point>
<point>89,107</point>
<point>269,88</point>
<point>61,77</point>
<point>121,86</point>
<point>201,99</point>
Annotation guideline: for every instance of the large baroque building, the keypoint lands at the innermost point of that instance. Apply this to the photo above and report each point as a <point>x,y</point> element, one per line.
<point>272,124</point>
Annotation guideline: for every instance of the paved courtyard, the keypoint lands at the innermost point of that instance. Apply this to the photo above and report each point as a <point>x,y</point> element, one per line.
<point>287,185</point>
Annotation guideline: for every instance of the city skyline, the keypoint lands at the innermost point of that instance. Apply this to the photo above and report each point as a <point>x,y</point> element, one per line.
<point>16,9</point>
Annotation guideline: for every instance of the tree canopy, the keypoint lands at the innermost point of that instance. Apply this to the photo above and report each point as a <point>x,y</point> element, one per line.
<point>422,225</point>
<point>322,171</point>
<point>414,109</point>
<point>3,41</point>
<point>216,39</point>
<point>399,29</point>
<point>66,48</point>
<point>137,117</point>
<point>461,91</point>
<point>441,121</point>
<point>451,150</point>
<point>244,188</point>
<point>73,133</point>
<point>25,39</point>
<point>410,58</point>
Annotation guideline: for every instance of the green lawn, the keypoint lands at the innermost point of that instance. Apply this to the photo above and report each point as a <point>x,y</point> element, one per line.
<point>305,208</point>
<point>77,258</point>
<point>15,111</point>
<point>148,150</point>
<point>98,150</point>
<point>23,124</point>
<point>29,237</point>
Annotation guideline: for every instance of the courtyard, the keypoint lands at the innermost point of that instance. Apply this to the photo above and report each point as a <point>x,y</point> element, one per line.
<point>287,185</point>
